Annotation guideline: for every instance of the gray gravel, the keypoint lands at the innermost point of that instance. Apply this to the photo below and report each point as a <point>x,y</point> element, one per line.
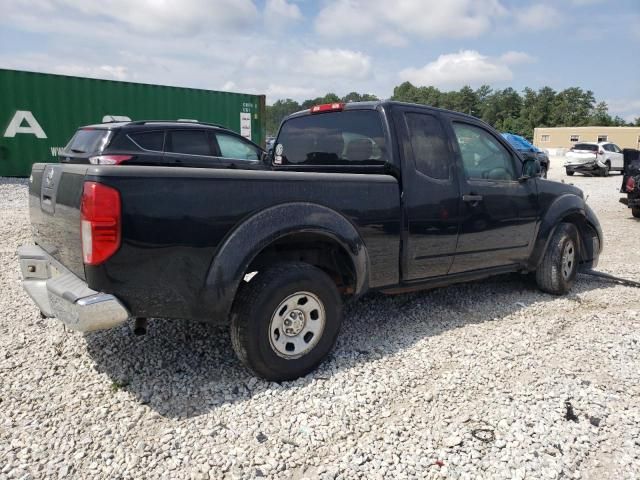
<point>485,380</point>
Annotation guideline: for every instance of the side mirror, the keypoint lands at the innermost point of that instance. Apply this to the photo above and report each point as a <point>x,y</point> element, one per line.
<point>530,168</point>
<point>265,157</point>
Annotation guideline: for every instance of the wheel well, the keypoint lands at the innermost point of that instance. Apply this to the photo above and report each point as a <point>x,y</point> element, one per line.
<point>585,232</point>
<point>315,249</point>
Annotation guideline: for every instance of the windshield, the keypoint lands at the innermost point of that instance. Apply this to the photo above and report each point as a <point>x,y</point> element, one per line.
<point>88,140</point>
<point>338,138</point>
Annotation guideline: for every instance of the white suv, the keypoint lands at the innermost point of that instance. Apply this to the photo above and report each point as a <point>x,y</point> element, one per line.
<point>594,158</point>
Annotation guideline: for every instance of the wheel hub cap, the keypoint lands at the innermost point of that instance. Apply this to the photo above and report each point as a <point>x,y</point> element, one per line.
<point>294,323</point>
<point>568,259</point>
<point>297,325</point>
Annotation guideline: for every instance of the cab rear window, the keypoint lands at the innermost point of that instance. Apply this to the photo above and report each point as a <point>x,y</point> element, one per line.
<point>338,138</point>
<point>88,140</point>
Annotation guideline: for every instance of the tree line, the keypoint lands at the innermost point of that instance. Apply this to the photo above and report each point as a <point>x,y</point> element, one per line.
<point>507,110</point>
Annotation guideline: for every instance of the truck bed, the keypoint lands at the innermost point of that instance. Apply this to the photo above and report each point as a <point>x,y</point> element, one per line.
<point>174,219</point>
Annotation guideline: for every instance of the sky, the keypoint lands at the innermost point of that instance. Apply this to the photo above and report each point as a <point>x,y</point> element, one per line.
<point>304,48</point>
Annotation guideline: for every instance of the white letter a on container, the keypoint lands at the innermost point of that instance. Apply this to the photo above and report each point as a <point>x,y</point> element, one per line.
<point>32,127</point>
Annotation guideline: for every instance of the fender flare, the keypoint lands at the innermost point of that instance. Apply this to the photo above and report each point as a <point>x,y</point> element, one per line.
<point>243,244</point>
<point>562,207</point>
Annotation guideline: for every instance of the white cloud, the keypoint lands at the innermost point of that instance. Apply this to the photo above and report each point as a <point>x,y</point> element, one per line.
<point>629,109</point>
<point>279,13</point>
<point>538,17</point>
<point>453,70</point>
<point>586,2</point>
<point>230,44</point>
<point>229,85</point>
<point>275,91</point>
<point>427,19</point>
<point>187,17</point>
<point>513,57</point>
<point>336,63</point>
<point>109,72</point>
<point>255,62</point>
<point>184,17</point>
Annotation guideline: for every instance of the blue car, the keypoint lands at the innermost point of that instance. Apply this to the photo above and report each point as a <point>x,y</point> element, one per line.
<point>528,150</point>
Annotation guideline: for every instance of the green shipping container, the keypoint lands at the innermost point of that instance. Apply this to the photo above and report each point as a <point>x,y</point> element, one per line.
<point>40,112</point>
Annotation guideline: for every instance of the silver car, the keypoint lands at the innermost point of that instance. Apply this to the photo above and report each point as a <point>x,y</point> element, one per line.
<point>593,158</point>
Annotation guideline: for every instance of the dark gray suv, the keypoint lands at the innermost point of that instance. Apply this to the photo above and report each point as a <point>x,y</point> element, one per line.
<point>167,143</point>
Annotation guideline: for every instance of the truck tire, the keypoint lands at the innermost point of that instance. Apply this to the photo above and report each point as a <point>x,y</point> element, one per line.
<point>635,211</point>
<point>570,172</point>
<point>557,271</point>
<point>286,320</point>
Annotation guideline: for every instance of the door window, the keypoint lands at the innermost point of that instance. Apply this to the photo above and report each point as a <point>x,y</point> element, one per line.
<point>483,157</point>
<point>149,140</point>
<point>429,145</point>
<point>190,142</point>
<point>236,148</point>
<point>616,148</point>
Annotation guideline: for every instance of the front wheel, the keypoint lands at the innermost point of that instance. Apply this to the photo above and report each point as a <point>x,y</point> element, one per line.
<point>635,211</point>
<point>570,172</point>
<point>559,266</point>
<point>285,321</point>
<point>606,169</point>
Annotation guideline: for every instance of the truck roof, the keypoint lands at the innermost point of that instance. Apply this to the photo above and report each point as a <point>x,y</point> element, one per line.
<point>373,105</point>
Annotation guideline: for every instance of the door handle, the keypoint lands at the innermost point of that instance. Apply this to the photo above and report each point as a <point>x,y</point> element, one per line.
<point>472,198</point>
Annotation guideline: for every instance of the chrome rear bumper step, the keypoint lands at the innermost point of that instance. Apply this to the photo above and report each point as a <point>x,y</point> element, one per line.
<point>59,293</point>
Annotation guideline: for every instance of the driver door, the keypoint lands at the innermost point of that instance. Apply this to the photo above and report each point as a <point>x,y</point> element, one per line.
<point>498,212</point>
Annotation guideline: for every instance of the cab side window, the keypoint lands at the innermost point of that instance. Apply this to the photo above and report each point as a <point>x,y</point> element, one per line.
<point>428,144</point>
<point>483,157</point>
<point>236,148</point>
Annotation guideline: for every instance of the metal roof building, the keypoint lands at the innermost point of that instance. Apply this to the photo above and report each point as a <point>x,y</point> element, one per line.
<point>565,137</point>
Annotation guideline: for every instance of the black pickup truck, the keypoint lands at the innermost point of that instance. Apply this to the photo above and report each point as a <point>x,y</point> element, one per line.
<point>379,196</point>
<point>631,181</point>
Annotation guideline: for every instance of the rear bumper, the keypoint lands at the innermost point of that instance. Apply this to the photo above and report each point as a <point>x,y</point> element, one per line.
<point>584,167</point>
<point>61,294</point>
<point>631,201</point>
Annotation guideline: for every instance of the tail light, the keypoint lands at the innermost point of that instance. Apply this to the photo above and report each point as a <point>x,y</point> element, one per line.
<point>327,107</point>
<point>630,185</point>
<point>109,159</point>
<point>100,214</point>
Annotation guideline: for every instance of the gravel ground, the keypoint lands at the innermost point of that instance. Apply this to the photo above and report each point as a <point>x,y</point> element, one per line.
<point>484,380</point>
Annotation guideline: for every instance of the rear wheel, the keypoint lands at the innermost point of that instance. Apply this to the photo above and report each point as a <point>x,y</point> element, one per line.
<point>570,172</point>
<point>286,320</point>
<point>559,266</point>
<point>635,211</point>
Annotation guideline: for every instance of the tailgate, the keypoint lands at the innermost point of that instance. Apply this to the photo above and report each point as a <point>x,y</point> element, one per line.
<point>55,191</point>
